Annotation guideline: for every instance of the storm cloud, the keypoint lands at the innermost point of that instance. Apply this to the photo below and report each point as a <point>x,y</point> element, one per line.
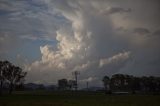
<point>96,38</point>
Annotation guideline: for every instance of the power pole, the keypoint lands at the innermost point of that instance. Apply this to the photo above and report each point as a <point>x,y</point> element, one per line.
<point>75,74</point>
<point>87,86</point>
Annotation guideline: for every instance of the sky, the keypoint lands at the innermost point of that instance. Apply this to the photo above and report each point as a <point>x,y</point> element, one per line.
<point>50,39</point>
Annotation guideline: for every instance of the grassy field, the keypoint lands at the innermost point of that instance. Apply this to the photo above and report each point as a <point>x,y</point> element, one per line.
<point>77,99</point>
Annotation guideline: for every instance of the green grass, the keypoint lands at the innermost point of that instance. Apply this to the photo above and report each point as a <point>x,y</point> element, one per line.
<point>77,99</point>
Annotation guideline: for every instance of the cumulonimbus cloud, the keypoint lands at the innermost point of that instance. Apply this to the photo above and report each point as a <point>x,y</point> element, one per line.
<point>79,47</point>
<point>89,43</point>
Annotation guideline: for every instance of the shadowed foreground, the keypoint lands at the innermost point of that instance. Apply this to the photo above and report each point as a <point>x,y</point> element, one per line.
<point>77,99</point>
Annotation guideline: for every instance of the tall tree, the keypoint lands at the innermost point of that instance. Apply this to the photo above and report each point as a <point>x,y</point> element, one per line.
<point>135,84</point>
<point>127,82</point>
<point>4,66</point>
<point>14,75</point>
<point>117,82</point>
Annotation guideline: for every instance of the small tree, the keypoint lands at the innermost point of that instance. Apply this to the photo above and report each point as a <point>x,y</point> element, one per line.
<point>106,83</point>
<point>63,84</point>
<point>72,84</point>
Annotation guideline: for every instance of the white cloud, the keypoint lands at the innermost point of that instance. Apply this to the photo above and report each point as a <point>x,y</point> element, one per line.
<point>114,59</point>
<point>80,47</point>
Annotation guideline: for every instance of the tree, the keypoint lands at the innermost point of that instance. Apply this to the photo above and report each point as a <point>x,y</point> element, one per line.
<point>72,84</point>
<point>4,66</point>
<point>13,75</point>
<point>122,82</point>
<point>127,83</point>
<point>117,82</point>
<point>106,83</point>
<point>149,83</point>
<point>157,84</point>
<point>135,84</point>
<point>63,84</point>
<point>1,76</point>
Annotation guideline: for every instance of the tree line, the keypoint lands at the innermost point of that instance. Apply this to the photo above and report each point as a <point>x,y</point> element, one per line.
<point>64,84</point>
<point>10,76</point>
<point>120,83</point>
<point>129,83</point>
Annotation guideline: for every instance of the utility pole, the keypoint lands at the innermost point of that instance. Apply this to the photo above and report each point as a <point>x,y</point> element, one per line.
<point>87,86</point>
<point>75,74</point>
